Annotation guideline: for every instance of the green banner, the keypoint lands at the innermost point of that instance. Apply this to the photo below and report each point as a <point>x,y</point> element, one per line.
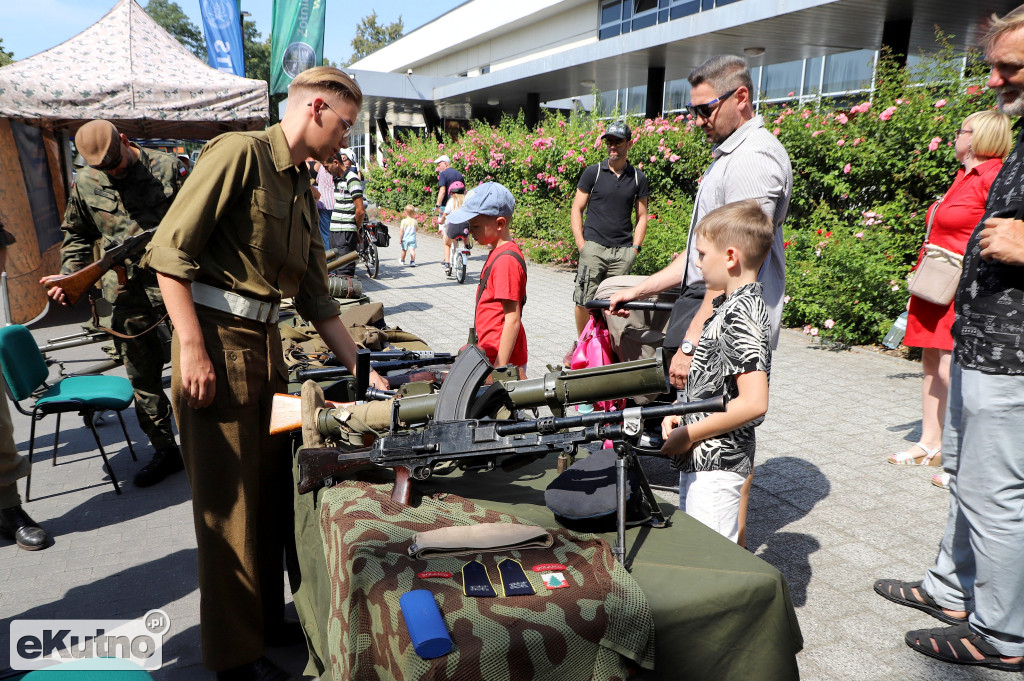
<point>297,40</point>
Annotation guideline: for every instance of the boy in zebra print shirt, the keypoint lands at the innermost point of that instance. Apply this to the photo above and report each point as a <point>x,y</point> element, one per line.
<point>715,452</point>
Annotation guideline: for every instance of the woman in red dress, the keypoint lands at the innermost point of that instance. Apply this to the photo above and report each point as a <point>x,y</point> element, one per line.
<point>982,143</point>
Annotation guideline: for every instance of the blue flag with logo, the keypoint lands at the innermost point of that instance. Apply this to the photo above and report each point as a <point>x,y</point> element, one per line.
<point>223,36</point>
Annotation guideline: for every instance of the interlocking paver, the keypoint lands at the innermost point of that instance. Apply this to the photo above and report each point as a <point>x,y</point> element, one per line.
<point>826,509</point>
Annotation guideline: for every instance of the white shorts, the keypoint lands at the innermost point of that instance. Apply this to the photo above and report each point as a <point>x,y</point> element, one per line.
<point>713,498</point>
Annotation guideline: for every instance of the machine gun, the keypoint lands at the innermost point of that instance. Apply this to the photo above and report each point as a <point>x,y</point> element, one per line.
<point>78,283</point>
<point>380,361</point>
<point>456,428</point>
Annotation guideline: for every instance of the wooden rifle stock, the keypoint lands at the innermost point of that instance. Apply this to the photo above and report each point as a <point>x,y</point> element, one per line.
<point>77,284</point>
<point>286,412</point>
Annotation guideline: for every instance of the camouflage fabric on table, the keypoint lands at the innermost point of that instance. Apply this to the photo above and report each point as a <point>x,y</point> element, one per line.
<point>582,632</point>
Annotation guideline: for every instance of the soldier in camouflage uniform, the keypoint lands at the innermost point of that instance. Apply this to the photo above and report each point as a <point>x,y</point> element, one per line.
<point>123,191</point>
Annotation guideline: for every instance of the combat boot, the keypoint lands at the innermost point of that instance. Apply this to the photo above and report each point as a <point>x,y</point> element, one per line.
<point>166,460</point>
<point>15,524</point>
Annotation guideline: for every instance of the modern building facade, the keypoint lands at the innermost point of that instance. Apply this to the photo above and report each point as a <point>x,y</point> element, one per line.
<point>486,57</point>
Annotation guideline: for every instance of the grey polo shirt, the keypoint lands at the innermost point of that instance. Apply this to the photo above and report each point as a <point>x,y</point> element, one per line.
<point>750,164</point>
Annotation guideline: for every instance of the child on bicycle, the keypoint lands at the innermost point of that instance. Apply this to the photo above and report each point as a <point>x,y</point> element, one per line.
<point>501,294</point>
<point>456,197</point>
<point>409,234</point>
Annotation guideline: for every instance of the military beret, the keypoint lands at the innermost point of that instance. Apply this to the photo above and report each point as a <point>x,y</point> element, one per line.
<point>98,142</point>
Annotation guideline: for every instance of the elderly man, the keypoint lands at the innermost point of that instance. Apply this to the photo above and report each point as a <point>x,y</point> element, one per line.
<point>242,238</point>
<point>977,584</point>
<point>122,191</point>
<point>608,242</point>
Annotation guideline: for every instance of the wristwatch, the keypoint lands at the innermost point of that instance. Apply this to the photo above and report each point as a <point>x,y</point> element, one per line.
<point>636,248</point>
<point>687,348</point>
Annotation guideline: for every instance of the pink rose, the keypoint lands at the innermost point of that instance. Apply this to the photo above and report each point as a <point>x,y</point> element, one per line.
<point>829,323</point>
<point>776,131</point>
<point>673,158</point>
<point>939,104</point>
<point>887,114</point>
<point>840,143</point>
<point>816,133</point>
<point>934,144</point>
<point>847,168</point>
<point>859,235</point>
<point>843,119</point>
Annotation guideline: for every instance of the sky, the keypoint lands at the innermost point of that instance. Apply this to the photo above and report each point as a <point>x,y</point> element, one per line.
<point>29,27</point>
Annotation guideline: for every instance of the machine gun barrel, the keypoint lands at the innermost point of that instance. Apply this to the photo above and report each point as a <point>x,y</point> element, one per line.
<point>559,389</point>
<point>659,411</point>
<point>331,373</point>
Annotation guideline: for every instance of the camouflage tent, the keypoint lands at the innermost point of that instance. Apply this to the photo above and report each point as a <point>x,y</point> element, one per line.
<point>127,69</point>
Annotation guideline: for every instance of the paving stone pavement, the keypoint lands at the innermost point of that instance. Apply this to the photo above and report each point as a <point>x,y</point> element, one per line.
<point>826,509</point>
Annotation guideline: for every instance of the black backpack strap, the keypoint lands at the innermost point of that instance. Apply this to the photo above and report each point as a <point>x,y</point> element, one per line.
<point>486,274</point>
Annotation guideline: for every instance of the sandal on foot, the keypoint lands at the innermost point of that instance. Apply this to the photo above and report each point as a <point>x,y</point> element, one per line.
<point>931,457</point>
<point>902,592</point>
<point>941,480</point>
<point>951,648</point>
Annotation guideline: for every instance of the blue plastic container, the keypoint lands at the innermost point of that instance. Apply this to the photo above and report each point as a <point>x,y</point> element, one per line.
<point>429,636</point>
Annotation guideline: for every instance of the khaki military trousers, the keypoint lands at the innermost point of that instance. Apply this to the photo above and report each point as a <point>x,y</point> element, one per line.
<point>13,466</point>
<point>241,487</point>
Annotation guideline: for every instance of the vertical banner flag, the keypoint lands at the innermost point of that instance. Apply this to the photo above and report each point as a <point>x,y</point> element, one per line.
<point>223,35</point>
<point>297,40</point>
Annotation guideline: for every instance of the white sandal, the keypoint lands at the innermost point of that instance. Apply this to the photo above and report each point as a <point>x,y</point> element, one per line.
<point>931,457</point>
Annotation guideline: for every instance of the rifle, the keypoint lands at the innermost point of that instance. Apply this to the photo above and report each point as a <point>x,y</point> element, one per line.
<point>388,361</point>
<point>477,444</point>
<point>78,283</point>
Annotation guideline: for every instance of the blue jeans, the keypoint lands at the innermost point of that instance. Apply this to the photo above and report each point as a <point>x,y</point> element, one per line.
<point>978,568</point>
<point>325,226</point>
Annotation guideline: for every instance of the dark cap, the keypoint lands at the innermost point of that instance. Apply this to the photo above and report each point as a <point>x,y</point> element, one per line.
<point>618,129</point>
<point>99,143</point>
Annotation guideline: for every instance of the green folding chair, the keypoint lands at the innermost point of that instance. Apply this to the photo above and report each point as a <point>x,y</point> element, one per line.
<point>26,372</point>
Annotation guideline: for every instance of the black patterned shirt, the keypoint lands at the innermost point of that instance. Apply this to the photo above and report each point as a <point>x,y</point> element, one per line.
<point>735,340</point>
<point>988,333</point>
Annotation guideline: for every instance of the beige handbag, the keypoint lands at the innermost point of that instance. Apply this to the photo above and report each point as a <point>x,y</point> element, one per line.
<point>938,274</point>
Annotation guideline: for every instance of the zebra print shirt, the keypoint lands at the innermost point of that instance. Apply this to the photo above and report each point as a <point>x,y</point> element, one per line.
<point>735,340</point>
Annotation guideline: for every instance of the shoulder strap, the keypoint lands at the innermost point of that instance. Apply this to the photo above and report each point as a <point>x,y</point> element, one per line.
<point>486,274</point>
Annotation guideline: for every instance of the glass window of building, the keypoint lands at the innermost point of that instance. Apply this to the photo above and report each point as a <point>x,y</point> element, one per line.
<point>608,102</point>
<point>645,13</point>
<point>848,71</point>
<point>683,8</point>
<point>677,94</point>
<point>812,76</point>
<point>780,81</point>
<point>636,100</point>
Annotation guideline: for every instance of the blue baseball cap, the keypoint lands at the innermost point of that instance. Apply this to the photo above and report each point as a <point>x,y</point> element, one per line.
<point>490,198</point>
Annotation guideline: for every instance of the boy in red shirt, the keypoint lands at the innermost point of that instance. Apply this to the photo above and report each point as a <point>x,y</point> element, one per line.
<point>501,294</point>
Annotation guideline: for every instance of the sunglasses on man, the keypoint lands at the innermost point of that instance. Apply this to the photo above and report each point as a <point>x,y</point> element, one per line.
<point>704,110</point>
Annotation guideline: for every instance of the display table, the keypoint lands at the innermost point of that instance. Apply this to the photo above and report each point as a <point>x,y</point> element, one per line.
<point>719,612</point>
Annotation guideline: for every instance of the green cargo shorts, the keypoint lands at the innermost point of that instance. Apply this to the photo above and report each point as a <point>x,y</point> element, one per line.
<point>597,263</point>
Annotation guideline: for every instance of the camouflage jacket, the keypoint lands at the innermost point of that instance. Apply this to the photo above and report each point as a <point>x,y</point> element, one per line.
<point>106,209</point>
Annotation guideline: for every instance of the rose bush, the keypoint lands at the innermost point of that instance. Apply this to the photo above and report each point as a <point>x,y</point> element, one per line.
<point>863,179</point>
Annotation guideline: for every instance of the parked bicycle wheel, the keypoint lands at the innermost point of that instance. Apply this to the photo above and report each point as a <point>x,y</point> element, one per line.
<point>371,259</point>
<point>459,264</point>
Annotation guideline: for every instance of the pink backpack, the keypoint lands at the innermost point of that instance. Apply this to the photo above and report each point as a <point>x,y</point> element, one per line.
<point>594,349</point>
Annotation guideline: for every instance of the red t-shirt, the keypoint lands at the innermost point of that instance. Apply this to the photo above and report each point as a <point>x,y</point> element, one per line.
<point>507,281</point>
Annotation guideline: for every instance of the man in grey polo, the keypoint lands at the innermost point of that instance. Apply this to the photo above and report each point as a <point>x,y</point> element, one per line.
<point>748,162</point>
<point>608,243</point>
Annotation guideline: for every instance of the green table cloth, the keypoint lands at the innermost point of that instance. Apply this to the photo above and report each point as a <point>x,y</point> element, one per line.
<point>719,611</point>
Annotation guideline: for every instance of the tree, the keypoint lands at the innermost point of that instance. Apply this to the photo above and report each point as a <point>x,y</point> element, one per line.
<point>371,36</point>
<point>170,16</point>
<point>5,56</point>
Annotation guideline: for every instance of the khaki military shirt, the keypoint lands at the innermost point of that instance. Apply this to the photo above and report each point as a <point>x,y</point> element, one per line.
<point>107,209</point>
<point>245,222</point>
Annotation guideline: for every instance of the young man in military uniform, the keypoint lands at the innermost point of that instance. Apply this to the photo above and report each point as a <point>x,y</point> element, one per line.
<point>15,524</point>
<point>242,237</point>
<point>122,191</point>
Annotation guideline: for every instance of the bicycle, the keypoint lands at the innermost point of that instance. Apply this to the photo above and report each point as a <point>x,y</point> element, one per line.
<point>458,259</point>
<point>367,250</point>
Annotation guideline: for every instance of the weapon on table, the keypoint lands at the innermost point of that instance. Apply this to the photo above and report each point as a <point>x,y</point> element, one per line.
<point>401,361</point>
<point>474,444</point>
<point>78,283</point>
<point>74,340</point>
<point>335,261</point>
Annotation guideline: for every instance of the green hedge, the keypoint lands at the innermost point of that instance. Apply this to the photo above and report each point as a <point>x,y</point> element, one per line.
<point>863,178</point>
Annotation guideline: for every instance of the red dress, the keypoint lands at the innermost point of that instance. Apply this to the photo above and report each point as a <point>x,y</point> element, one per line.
<point>961,209</point>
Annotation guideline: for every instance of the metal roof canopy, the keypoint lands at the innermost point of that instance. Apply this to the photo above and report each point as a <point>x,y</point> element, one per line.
<point>786,29</point>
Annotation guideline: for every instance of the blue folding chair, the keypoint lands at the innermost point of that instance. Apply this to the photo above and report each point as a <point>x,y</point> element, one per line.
<point>25,371</point>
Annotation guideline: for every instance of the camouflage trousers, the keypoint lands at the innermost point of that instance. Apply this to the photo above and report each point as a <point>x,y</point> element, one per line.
<point>143,357</point>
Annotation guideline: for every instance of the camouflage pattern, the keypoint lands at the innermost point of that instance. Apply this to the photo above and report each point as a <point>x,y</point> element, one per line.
<point>104,209</point>
<point>582,632</point>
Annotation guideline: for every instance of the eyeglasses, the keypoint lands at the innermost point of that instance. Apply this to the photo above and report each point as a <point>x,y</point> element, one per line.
<point>613,141</point>
<point>961,132</point>
<point>348,126</point>
<point>704,110</point>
